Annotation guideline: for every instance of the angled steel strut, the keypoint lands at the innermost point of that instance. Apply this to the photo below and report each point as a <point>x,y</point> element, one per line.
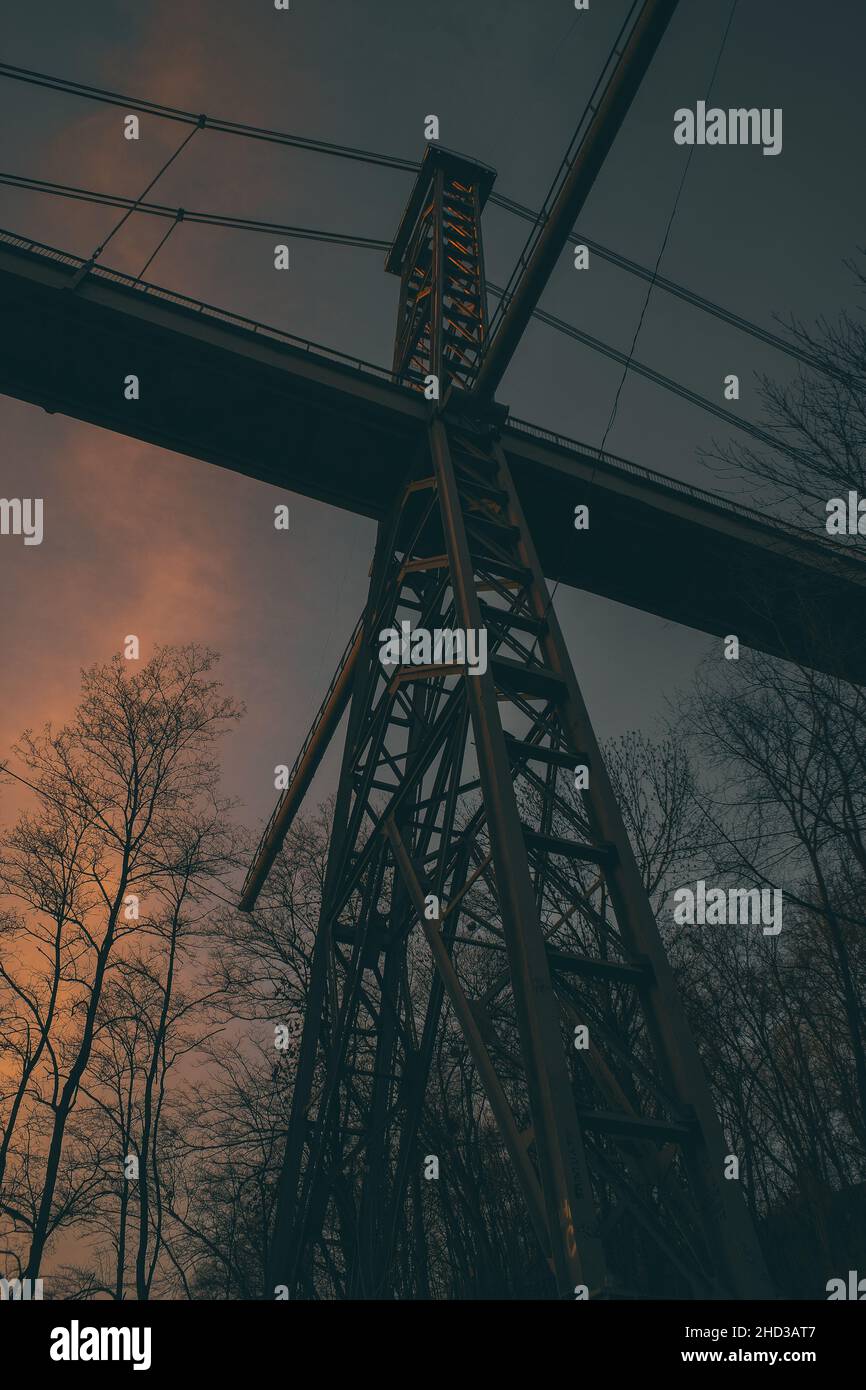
<point>580,168</point>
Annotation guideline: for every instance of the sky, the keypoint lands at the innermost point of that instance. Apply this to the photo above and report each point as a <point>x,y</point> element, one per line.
<point>138,540</point>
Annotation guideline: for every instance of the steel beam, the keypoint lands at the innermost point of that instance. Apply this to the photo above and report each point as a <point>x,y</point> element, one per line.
<point>724,1211</point>
<point>496,1096</point>
<point>564,1174</point>
<point>306,764</point>
<point>611,112</point>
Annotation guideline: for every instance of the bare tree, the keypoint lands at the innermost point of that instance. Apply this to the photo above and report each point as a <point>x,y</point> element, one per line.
<point>119,789</point>
<point>818,419</point>
<point>790,805</point>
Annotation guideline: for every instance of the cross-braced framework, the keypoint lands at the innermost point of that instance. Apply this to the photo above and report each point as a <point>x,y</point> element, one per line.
<point>442,318</point>
<point>479,855</point>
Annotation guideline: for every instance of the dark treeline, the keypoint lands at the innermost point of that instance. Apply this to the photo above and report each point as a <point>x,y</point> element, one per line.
<point>145,1103</point>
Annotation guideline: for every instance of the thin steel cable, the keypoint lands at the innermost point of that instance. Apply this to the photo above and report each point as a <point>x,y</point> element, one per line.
<point>666,237</point>
<point>131,209</point>
<point>176,113</point>
<point>245,224</point>
<point>153,255</point>
<point>697,301</point>
<point>657,378</point>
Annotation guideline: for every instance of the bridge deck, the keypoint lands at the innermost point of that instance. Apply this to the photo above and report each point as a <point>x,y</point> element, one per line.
<point>222,388</point>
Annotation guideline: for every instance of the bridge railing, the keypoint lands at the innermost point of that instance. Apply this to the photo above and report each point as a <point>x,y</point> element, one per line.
<point>198,306</point>
<point>663,480</point>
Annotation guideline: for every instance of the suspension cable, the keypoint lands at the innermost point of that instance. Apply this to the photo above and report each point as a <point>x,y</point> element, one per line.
<point>496,199</point>
<point>208,219</point>
<point>88,266</point>
<point>657,378</point>
<point>176,113</point>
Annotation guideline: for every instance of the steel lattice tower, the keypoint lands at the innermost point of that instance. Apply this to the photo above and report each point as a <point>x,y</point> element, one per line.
<point>459,835</point>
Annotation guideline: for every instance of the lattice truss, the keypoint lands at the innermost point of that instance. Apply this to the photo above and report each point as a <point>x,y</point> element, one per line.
<point>442,318</point>
<point>481,898</point>
<point>465,866</point>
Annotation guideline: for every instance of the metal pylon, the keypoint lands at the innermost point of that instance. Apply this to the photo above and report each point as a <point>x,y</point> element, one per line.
<point>457,821</point>
<point>478,855</point>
